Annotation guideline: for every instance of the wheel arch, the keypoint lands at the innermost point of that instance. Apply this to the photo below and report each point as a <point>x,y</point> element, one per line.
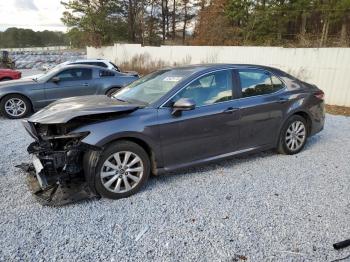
<point>112,87</point>
<point>91,158</point>
<point>20,94</point>
<point>142,143</point>
<point>298,112</point>
<point>307,117</point>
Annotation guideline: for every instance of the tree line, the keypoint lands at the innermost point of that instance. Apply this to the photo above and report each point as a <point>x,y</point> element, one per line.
<point>300,23</point>
<point>306,23</point>
<point>149,22</point>
<point>19,37</point>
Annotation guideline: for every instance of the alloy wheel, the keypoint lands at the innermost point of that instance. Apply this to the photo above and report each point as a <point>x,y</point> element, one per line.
<point>121,172</point>
<point>15,107</point>
<point>295,135</point>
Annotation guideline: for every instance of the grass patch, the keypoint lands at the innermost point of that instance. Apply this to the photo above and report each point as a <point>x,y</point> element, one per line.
<point>144,64</point>
<point>338,110</point>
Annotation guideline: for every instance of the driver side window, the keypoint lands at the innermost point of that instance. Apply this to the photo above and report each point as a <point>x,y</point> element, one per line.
<point>209,89</point>
<point>75,74</point>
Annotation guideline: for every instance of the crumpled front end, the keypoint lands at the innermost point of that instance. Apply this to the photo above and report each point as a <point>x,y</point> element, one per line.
<point>56,175</point>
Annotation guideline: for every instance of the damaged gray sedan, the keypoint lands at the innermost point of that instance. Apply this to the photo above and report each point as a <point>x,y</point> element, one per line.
<point>171,119</point>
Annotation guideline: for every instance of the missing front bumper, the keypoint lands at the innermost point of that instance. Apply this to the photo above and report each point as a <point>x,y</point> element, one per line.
<point>59,193</point>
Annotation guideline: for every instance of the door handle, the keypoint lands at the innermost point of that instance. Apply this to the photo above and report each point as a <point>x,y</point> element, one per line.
<point>230,110</point>
<point>85,84</point>
<point>283,100</point>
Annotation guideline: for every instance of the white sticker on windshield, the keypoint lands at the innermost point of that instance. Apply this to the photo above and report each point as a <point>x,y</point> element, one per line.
<point>172,78</point>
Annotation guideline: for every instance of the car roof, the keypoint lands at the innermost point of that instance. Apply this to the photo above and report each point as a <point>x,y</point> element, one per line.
<point>213,66</point>
<point>83,66</point>
<point>205,67</point>
<point>89,60</point>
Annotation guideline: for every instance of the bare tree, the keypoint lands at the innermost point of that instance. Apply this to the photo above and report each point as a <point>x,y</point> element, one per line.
<point>174,19</point>
<point>165,19</point>
<point>185,20</point>
<point>344,30</point>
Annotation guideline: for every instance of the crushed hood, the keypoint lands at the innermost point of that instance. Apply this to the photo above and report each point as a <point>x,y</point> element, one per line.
<point>63,110</point>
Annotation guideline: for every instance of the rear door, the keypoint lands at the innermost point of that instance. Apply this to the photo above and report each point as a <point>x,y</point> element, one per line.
<point>72,82</point>
<point>262,107</point>
<point>209,130</point>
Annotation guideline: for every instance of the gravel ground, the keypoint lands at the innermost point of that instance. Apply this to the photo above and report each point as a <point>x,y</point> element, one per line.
<point>264,207</point>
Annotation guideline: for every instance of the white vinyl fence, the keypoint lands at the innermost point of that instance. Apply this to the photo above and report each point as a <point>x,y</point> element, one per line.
<point>328,68</point>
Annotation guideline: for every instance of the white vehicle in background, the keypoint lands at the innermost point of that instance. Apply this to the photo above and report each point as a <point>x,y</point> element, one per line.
<point>102,63</point>
<point>95,62</point>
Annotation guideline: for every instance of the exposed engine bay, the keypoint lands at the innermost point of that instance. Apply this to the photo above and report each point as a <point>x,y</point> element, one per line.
<point>56,175</point>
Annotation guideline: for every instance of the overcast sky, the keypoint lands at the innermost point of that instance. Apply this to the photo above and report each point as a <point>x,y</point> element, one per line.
<point>38,15</point>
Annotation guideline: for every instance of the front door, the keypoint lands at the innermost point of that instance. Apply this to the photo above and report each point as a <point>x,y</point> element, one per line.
<point>69,83</point>
<point>209,130</point>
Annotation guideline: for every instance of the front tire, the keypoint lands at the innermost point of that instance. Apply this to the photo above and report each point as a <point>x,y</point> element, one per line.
<point>15,106</point>
<point>293,136</point>
<point>122,170</point>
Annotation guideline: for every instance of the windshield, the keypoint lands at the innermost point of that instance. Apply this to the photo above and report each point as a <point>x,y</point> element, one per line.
<point>152,87</point>
<point>47,75</point>
<point>50,72</point>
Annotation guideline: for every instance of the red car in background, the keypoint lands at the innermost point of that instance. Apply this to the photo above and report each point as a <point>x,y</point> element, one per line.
<point>9,74</point>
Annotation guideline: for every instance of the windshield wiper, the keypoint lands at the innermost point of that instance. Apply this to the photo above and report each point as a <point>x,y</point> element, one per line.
<point>120,99</point>
<point>138,102</point>
<point>35,79</point>
<point>132,101</point>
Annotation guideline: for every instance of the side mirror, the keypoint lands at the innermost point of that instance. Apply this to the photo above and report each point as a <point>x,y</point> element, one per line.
<point>55,79</point>
<point>183,104</point>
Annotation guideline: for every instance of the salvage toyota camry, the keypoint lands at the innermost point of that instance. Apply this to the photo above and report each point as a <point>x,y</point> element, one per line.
<point>170,119</point>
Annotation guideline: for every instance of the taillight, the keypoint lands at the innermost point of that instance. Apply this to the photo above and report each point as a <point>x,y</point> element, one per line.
<point>319,94</point>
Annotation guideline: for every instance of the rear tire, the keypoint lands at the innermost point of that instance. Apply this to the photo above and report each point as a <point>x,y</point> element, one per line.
<point>110,92</point>
<point>293,136</point>
<point>15,106</point>
<point>122,170</point>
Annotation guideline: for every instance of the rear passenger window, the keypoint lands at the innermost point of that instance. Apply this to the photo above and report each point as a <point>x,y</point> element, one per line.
<point>258,82</point>
<point>277,83</point>
<point>106,73</point>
